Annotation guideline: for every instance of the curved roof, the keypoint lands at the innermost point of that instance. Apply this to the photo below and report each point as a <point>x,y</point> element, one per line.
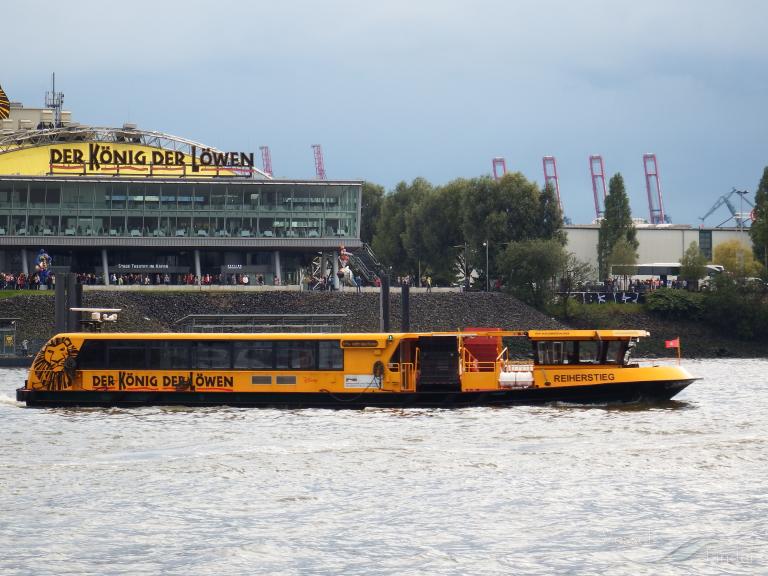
<point>77,133</point>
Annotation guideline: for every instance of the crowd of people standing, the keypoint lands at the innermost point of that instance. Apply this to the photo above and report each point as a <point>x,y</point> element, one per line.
<point>22,281</point>
<point>32,281</point>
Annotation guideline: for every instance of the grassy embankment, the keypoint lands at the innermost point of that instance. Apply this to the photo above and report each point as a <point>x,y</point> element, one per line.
<point>699,339</point>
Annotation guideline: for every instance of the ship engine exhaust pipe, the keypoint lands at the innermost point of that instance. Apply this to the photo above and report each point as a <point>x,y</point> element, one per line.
<point>405,320</point>
<point>384,304</point>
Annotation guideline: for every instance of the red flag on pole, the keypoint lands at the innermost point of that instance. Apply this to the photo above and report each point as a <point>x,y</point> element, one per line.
<point>672,343</point>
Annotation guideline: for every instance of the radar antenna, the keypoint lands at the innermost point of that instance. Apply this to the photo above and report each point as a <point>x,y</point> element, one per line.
<point>55,101</point>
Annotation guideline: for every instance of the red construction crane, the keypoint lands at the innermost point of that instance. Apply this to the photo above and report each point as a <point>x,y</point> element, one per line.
<point>319,165</point>
<point>653,187</point>
<point>266,159</point>
<point>597,170</point>
<point>499,167</point>
<point>550,177</point>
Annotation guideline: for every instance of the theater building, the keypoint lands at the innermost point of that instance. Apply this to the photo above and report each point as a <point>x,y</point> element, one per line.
<point>125,200</point>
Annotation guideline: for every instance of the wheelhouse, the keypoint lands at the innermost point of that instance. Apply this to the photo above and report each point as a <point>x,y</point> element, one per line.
<point>584,347</point>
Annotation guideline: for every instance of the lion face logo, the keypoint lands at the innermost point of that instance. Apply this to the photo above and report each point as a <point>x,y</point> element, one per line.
<point>54,365</point>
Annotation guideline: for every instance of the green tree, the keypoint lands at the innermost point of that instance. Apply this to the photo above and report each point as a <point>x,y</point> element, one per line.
<point>616,224</point>
<point>370,210</point>
<point>391,230</point>
<point>551,216</point>
<point>432,229</point>
<point>419,226</point>
<point>574,273</point>
<point>678,304</point>
<point>623,256</point>
<point>737,259</point>
<point>693,264</point>
<point>500,211</point>
<point>531,267</point>
<point>736,310</point>
<point>511,209</point>
<point>759,229</point>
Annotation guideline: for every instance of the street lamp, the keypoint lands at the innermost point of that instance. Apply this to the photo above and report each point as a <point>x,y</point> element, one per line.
<point>740,222</point>
<point>487,271</point>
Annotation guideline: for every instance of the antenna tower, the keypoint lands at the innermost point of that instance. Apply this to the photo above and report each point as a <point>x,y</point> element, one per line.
<point>266,159</point>
<point>54,100</point>
<point>597,170</point>
<point>319,165</point>
<point>653,187</point>
<point>499,167</point>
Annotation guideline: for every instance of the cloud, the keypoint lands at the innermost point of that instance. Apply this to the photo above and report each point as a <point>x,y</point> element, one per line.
<point>401,89</point>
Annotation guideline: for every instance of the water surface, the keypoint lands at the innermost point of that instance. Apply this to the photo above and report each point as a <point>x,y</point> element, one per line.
<point>673,489</point>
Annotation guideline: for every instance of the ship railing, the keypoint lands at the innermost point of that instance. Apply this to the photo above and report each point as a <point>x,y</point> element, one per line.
<point>649,362</point>
<point>470,363</point>
<point>407,373</point>
<point>506,364</point>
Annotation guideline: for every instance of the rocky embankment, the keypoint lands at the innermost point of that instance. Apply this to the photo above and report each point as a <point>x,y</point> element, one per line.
<point>148,311</point>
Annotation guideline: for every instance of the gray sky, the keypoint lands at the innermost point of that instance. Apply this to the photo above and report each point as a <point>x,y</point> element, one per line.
<point>436,88</point>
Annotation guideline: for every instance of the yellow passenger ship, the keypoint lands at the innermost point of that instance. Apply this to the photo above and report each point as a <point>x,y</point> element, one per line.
<point>435,369</point>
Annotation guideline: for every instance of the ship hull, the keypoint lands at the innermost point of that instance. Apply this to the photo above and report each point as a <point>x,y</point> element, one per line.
<point>626,392</point>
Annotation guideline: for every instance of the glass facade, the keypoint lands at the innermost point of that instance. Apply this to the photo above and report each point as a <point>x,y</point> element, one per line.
<point>229,208</point>
<point>705,244</point>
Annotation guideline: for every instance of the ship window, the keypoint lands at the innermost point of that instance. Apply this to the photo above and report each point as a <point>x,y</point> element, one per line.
<point>571,352</point>
<point>296,355</point>
<point>253,355</point>
<point>581,352</point>
<point>330,355</point>
<point>589,352</point>
<point>214,355</point>
<point>171,355</point>
<point>127,355</point>
<point>92,355</point>
<point>550,352</point>
<point>614,351</point>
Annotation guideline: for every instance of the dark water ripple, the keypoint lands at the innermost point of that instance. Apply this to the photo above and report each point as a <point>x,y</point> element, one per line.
<point>673,489</point>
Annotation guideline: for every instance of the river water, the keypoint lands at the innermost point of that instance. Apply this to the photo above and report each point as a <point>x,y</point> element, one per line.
<point>673,489</point>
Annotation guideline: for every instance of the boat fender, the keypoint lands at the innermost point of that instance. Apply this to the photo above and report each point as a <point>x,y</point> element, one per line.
<point>378,369</point>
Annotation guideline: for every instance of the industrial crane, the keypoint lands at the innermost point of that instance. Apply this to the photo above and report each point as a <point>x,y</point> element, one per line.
<point>499,167</point>
<point>319,164</point>
<point>737,216</point>
<point>653,188</point>
<point>550,179</point>
<point>597,171</point>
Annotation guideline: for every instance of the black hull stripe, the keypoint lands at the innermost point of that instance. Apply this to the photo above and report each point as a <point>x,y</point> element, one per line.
<point>598,394</point>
